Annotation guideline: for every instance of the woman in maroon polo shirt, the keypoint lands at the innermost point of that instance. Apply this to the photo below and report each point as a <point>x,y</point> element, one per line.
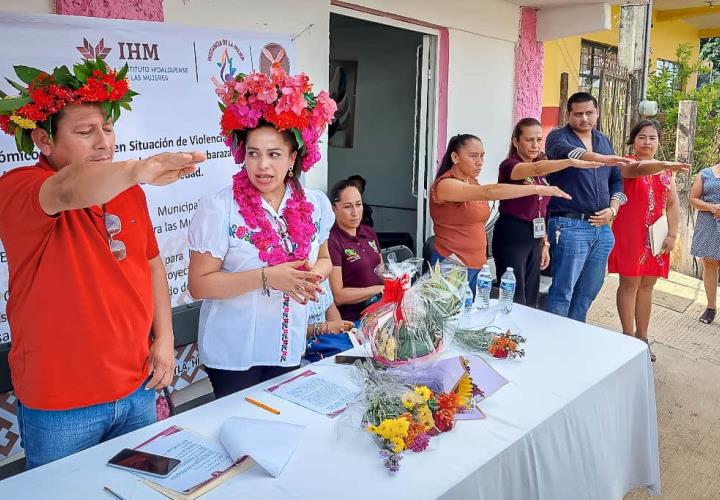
<point>519,238</point>
<point>354,252</point>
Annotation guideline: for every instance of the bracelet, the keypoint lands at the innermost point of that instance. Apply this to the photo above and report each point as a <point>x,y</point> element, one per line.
<point>672,236</point>
<point>316,331</point>
<point>324,327</point>
<point>264,290</point>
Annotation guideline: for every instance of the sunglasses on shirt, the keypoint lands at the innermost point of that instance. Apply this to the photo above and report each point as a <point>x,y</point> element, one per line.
<point>113,226</point>
<point>284,234</point>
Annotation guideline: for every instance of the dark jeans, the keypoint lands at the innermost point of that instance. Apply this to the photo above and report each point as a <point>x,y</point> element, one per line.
<point>226,382</point>
<point>514,246</point>
<point>579,260</point>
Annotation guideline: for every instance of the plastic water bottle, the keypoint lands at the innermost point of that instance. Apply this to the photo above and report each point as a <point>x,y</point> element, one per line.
<point>483,288</point>
<point>468,298</point>
<point>507,291</point>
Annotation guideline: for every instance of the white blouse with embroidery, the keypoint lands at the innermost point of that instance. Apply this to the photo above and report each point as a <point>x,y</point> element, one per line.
<point>250,329</point>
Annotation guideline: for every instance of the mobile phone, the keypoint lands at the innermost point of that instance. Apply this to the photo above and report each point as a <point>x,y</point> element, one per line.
<point>342,359</point>
<point>141,461</point>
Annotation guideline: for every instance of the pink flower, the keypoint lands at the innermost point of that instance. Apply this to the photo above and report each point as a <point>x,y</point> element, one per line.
<point>326,107</point>
<point>298,214</point>
<point>420,443</point>
<point>312,156</point>
<point>241,232</point>
<point>291,101</point>
<point>267,94</point>
<point>282,100</point>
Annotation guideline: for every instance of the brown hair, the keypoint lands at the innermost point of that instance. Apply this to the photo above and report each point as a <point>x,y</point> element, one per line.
<point>518,130</point>
<point>641,125</point>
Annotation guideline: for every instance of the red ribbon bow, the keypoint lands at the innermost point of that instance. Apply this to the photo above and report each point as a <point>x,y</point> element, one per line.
<point>394,292</point>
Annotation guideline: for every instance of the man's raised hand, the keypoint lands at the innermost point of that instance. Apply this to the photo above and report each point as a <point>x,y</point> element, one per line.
<point>166,168</point>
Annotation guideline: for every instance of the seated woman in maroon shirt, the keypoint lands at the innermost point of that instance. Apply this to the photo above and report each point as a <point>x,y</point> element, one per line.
<point>354,252</point>
<point>519,239</point>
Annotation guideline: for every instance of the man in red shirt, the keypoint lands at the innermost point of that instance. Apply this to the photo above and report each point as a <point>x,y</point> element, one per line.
<point>86,282</point>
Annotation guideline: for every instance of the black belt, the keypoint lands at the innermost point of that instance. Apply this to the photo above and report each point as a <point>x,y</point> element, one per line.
<point>572,215</point>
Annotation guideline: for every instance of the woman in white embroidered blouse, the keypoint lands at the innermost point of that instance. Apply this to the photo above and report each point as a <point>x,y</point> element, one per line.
<point>259,247</point>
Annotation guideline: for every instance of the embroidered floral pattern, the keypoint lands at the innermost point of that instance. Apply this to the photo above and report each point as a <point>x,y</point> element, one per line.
<point>285,329</point>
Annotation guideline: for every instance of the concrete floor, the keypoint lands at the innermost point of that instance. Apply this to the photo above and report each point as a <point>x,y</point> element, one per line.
<point>687,376</point>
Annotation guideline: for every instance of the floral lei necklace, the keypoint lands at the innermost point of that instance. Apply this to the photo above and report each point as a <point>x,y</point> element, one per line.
<point>297,213</point>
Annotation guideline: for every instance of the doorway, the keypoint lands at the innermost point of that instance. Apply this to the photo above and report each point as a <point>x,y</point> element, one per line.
<point>383,77</point>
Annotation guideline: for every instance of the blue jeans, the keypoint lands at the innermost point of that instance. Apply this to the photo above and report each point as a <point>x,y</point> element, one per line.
<point>579,260</point>
<point>49,435</point>
<point>472,273</point>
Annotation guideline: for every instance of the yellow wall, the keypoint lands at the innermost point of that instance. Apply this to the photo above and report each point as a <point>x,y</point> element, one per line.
<point>563,55</point>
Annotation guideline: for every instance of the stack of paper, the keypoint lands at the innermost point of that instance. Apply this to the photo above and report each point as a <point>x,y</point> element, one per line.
<point>206,464</point>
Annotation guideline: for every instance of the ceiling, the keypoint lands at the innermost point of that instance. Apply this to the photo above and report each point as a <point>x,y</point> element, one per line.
<point>697,13</point>
<point>544,4</point>
<point>702,19</point>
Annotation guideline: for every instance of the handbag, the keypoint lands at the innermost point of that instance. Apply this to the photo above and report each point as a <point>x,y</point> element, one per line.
<point>657,233</point>
<point>326,345</point>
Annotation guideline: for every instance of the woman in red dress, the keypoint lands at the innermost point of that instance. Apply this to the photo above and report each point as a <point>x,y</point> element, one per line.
<point>650,197</point>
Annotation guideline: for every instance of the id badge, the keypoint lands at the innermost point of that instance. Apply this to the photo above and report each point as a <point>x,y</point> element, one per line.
<point>538,227</point>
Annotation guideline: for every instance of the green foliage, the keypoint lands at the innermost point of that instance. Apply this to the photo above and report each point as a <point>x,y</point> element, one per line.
<point>710,51</point>
<point>662,90</point>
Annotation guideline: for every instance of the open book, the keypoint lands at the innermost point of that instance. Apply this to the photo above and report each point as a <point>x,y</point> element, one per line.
<point>205,463</point>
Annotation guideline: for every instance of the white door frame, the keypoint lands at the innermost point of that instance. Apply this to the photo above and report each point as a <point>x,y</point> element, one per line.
<point>427,153</point>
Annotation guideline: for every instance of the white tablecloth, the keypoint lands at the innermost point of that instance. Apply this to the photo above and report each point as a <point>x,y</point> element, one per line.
<point>576,421</point>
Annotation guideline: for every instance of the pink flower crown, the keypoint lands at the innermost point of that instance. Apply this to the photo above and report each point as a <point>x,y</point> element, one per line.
<point>281,100</point>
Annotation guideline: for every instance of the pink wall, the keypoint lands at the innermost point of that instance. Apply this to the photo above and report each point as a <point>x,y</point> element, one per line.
<point>144,10</point>
<point>529,58</point>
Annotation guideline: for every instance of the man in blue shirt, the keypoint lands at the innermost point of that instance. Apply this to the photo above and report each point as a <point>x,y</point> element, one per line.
<point>578,229</point>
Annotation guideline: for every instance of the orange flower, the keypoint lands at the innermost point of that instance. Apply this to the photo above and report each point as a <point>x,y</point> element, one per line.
<point>414,431</point>
<point>449,402</point>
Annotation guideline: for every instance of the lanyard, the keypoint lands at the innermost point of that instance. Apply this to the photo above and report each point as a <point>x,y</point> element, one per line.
<point>538,181</point>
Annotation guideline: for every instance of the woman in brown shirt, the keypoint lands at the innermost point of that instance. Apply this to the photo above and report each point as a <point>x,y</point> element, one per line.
<point>459,208</point>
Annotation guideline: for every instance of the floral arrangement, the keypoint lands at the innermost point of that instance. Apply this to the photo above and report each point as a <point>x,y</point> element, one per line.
<point>410,322</point>
<point>260,232</point>
<point>499,344</point>
<point>46,94</point>
<point>279,99</point>
<point>407,420</point>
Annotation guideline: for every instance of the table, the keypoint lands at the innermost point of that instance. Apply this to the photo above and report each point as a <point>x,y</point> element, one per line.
<point>576,421</point>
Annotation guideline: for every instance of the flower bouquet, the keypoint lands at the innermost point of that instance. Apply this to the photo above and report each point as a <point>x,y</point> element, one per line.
<point>403,416</point>
<point>497,343</point>
<point>410,322</point>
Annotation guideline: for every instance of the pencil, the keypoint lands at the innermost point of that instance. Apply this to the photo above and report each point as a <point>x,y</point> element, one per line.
<point>115,495</point>
<point>262,405</point>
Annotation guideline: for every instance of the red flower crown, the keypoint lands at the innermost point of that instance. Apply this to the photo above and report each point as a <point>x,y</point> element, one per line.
<point>47,94</point>
<point>281,100</point>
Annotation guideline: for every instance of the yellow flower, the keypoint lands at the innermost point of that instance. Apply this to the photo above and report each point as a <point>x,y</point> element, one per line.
<point>411,399</point>
<point>423,391</point>
<point>398,445</point>
<point>389,348</point>
<point>22,122</point>
<point>391,428</point>
<point>464,389</point>
<point>424,416</point>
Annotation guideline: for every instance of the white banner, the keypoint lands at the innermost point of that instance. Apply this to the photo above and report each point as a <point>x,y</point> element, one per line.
<point>172,67</point>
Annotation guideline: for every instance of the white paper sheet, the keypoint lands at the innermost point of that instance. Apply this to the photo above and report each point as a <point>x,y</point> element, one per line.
<point>271,444</point>
<point>316,392</point>
<point>201,459</point>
